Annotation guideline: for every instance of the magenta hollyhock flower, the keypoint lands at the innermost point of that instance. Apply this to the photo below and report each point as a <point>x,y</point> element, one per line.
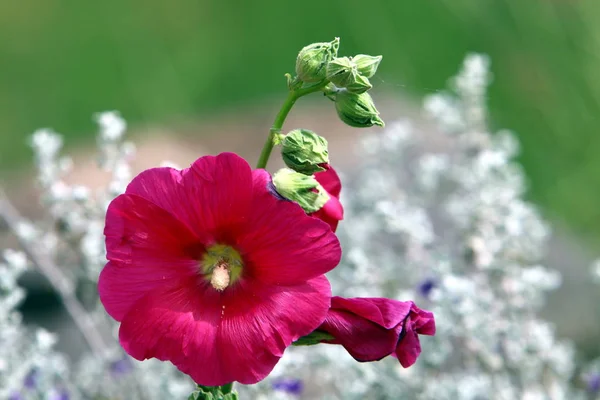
<point>332,212</point>
<point>208,270</point>
<point>373,328</point>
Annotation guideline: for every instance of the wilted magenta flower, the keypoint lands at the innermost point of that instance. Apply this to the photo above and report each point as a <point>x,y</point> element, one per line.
<point>207,269</point>
<point>332,212</point>
<point>373,328</point>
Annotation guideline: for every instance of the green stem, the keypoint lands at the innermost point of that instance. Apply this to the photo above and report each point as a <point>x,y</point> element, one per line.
<point>289,102</point>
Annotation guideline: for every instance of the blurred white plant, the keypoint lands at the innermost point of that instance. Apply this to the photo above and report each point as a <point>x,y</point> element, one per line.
<point>67,247</point>
<point>449,230</point>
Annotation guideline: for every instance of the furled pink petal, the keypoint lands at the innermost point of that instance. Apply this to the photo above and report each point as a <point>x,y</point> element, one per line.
<point>387,313</point>
<point>363,339</point>
<point>147,248</point>
<point>330,181</point>
<point>365,326</point>
<point>213,194</point>
<point>332,212</point>
<point>418,322</point>
<point>283,246</point>
<point>423,321</point>
<point>217,338</point>
<point>372,328</point>
<point>409,348</point>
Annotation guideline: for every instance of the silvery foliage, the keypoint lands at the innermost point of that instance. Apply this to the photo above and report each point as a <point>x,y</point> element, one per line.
<point>67,246</point>
<point>448,229</point>
<point>451,231</point>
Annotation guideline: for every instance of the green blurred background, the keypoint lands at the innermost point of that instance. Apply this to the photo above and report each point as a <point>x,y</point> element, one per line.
<point>167,61</point>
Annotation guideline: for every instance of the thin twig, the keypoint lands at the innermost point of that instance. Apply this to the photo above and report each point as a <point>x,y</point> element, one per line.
<point>57,279</point>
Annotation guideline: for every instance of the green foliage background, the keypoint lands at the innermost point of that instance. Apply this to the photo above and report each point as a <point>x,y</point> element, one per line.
<point>159,61</point>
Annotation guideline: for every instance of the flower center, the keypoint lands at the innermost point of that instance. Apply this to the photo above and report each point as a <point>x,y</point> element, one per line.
<point>221,265</point>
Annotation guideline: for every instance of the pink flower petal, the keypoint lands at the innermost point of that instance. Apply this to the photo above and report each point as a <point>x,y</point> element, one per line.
<point>330,181</point>
<point>409,348</point>
<point>372,328</point>
<point>221,337</point>
<point>284,245</point>
<point>147,248</point>
<point>418,322</point>
<point>387,313</point>
<point>363,339</point>
<point>212,195</point>
<point>332,212</point>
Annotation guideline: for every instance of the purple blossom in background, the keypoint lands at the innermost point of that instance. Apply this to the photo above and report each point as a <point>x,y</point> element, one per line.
<point>15,396</point>
<point>288,385</point>
<point>593,383</point>
<point>60,395</point>
<point>121,367</point>
<point>31,380</point>
<point>426,287</point>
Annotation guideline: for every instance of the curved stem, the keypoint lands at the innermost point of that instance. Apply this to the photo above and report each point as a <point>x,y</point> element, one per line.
<point>289,102</point>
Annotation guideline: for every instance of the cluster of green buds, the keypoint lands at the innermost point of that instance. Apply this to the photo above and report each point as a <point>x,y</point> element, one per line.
<point>345,80</point>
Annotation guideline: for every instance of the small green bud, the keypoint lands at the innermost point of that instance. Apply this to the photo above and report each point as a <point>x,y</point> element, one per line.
<point>357,110</point>
<point>341,71</point>
<point>311,64</point>
<point>367,65</point>
<point>300,188</point>
<point>359,85</point>
<point>303,150</point>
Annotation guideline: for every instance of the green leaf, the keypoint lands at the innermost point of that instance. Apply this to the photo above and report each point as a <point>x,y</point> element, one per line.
<point>313,338</point>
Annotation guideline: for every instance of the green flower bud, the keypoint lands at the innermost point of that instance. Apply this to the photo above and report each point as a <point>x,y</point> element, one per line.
<point>303,150</point>
<point>357,110</point>
<point>341,71</point>
<point>311,64</point>
<point>359,85</point>
<point>300,188</point>
<point>367,65</point>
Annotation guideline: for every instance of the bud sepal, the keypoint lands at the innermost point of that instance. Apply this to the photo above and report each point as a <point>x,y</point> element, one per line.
<point>341,71</point>
<point>311,63</point>
<point>214,393</point>
<point>304,151</point>
<point>360,84</point>
<point>367,65</point>
<point>302,189</point>
<point>357,110</point>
